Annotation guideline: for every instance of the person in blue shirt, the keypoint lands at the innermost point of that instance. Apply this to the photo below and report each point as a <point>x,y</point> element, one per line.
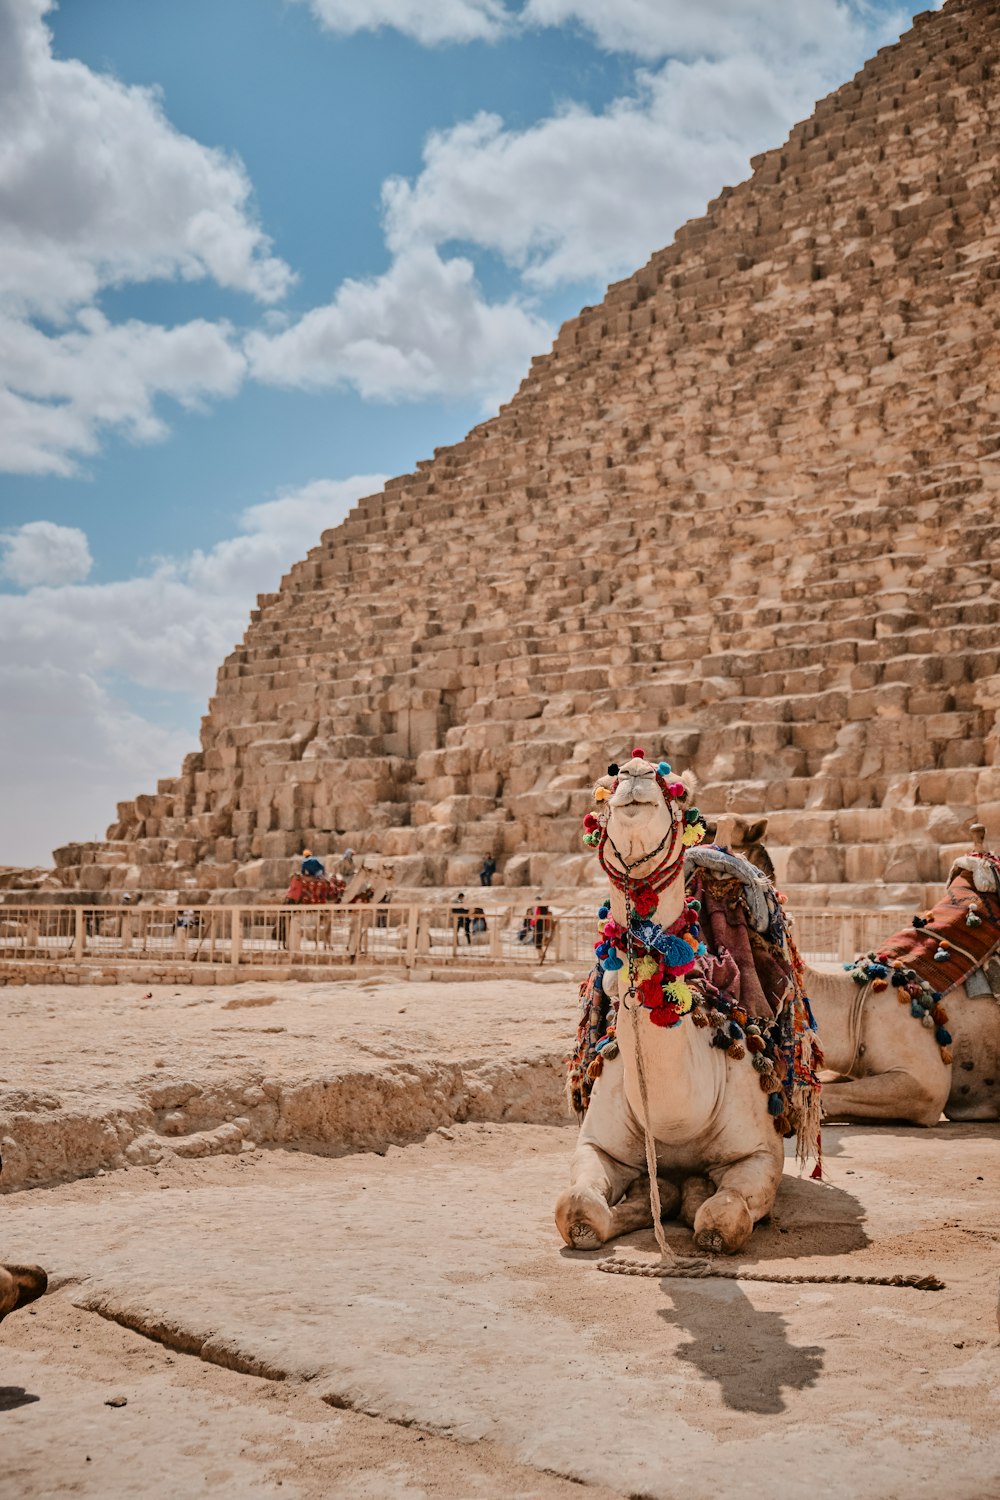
<point>310,864</point>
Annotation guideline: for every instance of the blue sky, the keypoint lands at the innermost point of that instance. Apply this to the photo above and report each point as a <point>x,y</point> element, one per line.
<point>262,254</point>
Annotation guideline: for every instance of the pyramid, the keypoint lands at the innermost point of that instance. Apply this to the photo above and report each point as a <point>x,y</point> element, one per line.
<point>745,513</point>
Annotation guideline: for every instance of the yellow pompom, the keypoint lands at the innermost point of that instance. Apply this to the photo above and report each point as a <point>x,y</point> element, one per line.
<point>680,994</point>
<point>646,968</point>
<point>693,834</point>
<point>601,794</point>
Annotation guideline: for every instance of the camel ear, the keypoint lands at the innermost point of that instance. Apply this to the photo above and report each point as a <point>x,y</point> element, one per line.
<point>753,833</point>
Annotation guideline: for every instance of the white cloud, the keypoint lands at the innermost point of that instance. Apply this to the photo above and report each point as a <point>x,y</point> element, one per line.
<point>584,196</point>
<point>98,188</point>
<point>653,29</point>
<point>69,653</point>
<point>77,752</point>
<point>422,329</point>
<point>427,21</point>
<point>63,390</point>
<point>42,552</point>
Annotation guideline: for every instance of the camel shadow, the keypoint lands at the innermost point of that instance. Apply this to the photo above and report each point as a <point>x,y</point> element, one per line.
<point>745,1350</point>
<point>13,1396</point>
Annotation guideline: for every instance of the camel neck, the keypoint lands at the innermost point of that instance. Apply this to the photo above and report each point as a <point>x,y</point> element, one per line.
<point>669,905</point>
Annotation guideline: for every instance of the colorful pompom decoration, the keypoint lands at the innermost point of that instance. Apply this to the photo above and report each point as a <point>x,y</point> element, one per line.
<point>941,955</point>
<point>638,755</point>
<point>612,769</point>
<point>664,768</point>
<point>972,918</point>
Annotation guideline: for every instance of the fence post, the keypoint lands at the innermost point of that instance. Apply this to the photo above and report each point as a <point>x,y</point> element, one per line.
<point>412,921</point>
<point>236,936</point>
<point>495,925</point>
<point>78,934</point>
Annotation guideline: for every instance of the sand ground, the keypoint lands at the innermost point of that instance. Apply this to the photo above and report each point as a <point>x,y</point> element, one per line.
<point>401,1321</point>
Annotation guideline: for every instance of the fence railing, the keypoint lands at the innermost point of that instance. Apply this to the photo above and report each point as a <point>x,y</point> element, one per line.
<point>403,935</point>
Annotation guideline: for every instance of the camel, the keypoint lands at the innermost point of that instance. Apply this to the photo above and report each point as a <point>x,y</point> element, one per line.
<point>672,1077</point>
<point>891,1066</point>
<point>744,838</point>
<point>20,1285</point>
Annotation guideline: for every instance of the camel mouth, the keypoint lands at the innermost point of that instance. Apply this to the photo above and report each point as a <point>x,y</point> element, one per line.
<point>636,792</point>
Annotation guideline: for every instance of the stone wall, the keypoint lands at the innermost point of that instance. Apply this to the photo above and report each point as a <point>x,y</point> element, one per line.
<point>744,513</point>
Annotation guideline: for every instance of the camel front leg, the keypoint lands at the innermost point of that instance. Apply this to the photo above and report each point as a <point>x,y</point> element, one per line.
<point>606,1198</point>
<point>745,1193</point>
<point>895,1095</point>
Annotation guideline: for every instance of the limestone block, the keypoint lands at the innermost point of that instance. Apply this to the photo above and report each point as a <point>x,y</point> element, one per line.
<point>248,877</point>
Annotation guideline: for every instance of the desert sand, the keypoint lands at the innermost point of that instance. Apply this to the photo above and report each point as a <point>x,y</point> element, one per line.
<point>387,1311</point>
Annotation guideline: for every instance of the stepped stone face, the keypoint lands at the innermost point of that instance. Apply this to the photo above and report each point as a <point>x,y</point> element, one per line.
<point>745,513</point>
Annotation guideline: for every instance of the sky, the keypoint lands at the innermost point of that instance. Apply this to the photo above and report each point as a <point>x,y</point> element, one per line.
<point>257,256</point>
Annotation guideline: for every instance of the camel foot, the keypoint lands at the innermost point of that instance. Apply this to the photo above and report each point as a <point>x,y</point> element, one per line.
<point>583,1218</point>
<point>723,1224</point>
<point>586,1221</point>
<point>20,1285</point>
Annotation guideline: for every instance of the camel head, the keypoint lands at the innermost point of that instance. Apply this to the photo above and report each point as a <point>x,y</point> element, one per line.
<point>640,807</point>
<point>744,837</point>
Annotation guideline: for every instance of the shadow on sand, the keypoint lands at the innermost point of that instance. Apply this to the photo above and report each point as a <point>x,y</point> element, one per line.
<point>13,1396</point>
<point>744,1349</point>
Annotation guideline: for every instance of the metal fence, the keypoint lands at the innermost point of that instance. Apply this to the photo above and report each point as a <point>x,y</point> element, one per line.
<point>318,936</point>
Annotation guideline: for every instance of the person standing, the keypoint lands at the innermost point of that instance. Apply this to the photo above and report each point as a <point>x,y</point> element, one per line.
<point>488,870</point>
<point>461,918</point>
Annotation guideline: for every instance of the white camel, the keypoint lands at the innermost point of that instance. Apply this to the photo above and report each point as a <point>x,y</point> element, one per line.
<point>891,1066</point>
<point>718,1153</point>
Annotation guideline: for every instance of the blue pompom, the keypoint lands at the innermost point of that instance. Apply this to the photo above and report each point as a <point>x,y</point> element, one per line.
<point>604,912</point>
<point>603,950</point>
<point>736,1031</point>
<point>613,962</point>
<point>849,965</point>
<point>942,1036</point>
<point>941,956</point>
<point>775,1104</point>
<point>916,1009</point>
<point>936,996</point>
<point>663,769</point>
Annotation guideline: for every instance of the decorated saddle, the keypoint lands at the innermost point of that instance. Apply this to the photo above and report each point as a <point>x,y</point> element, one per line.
<point>313,890</point>
<point>956,943</point>
<point>727,966</point>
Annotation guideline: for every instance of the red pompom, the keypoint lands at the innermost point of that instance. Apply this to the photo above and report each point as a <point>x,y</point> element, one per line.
<point>590,822</point>
<point>638,755</point>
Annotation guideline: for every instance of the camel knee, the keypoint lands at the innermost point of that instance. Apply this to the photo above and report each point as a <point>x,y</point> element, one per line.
<point>724,1223</point>
<point>583,1218</point>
